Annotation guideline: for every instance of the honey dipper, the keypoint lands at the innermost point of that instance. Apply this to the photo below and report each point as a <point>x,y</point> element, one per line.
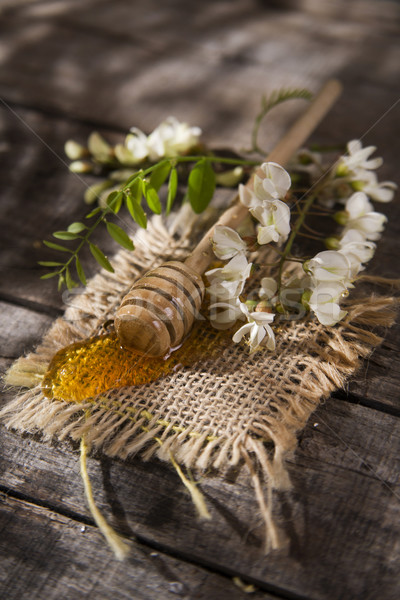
<point>160,308</point>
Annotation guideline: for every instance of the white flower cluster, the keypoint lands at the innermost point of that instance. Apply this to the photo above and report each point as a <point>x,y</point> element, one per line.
<point>328,276</point>
<point>265,204</point>
<point>333,271</point>
<point>357,168</point>
<point>227,283</point>
<point>354,183</point>
<point>169,139</point>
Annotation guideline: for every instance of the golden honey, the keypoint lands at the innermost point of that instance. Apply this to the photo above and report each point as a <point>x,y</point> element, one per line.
<point>86,369</point>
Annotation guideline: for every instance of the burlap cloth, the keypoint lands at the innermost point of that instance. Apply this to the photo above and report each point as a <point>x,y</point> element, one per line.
<point>229,410</point>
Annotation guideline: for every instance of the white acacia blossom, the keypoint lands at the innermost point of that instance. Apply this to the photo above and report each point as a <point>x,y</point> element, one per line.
<point>358,158</point>
<point>330,266</point>
<point>274,219</point>
<point>258,328</point>
<point>227,242</point>
<point>324,302</point>
<point>228,282</point>
<point>271,183</point>
<point>357,249</point>
<point>171,138</point>
<point>363,218</point>
<point>368,183</point>
<point>225,314</point>
<point>268,288</point>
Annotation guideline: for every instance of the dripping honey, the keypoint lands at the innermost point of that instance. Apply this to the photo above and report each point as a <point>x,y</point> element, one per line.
<point>86,369</point>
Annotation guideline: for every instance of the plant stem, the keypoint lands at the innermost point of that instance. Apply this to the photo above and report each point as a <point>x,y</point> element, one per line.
<point>297,226</point>
<point>142,173</point>
<point>311,237</point>
<point>85,239</point>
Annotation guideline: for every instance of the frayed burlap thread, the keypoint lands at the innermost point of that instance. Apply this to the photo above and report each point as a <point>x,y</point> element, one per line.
<point>231,409</point>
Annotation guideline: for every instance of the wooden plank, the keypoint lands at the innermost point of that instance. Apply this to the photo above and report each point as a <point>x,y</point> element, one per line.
<point>245,53</point>
<point>341,517</point>
<point>20,329</point>
<point>58,557</point>
<point>377,383</point>
<point>40,196</point>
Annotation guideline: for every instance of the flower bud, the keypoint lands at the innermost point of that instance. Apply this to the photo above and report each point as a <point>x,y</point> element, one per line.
<point>98,146</point>
<point>341,217</point>
<point>341,170</point>
<point>229,178</point>
<point>81,166</point>
<point>251,304</point>
<point>332,243</point>
<point>305,299</point>
<point>357,186</point>
<point>263,306</point>
<point>75,151</point>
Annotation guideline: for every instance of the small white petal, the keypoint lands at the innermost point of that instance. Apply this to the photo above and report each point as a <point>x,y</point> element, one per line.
<point>265,235</point>
<point>274,217</point>
<point>358,205</point>
<point>247,197</point>
<point>268,287</point>
<point>330,266</point>
<point>324,302</point>
<point>227,242</point>
<point>278,176</point>
<point>240,333</point>
<point>354,146</point>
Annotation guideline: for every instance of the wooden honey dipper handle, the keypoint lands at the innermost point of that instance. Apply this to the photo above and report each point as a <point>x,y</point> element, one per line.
<point>159,310</point>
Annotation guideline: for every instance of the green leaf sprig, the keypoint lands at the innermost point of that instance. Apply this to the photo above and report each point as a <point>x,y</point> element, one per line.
<point>268,103</point>
<point>129,187</point>
<point>142,185</point>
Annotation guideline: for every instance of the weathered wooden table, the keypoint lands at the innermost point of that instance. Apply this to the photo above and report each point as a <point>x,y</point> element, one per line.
<point>69,67</point>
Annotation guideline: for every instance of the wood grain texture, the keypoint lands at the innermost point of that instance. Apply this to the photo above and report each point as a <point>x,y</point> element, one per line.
<point>62,558</point>
<point>174,54</point>
<point>20,329</point>
<point>70,67</point>
<point>346,495</point>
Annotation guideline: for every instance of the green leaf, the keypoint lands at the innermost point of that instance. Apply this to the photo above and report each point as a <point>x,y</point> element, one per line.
<point>56,247</point>
<point>172,189</point>
<point>136,189</point>
<point>93,212</point>
<point>114,201</point>
<point>68,280</point>
<point>268,103</point>
<point>80,271</point>
<point>201,185</point>
<point>61,281</point>
<point>49,263</point>
<point>152,199</point>
<point>65,235</point>
<point>159,175</point>
<point>99,256</point>
<point>135,177</point>
<point>136,211</point>
<point>120,236</point>
<point>76,227</point>
<point>49,275</point>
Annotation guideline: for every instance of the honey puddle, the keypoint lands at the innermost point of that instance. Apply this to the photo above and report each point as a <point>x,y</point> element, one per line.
<point>85,369</point>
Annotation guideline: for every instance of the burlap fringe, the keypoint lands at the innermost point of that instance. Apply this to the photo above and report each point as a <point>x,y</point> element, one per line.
<point>121,431</point>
